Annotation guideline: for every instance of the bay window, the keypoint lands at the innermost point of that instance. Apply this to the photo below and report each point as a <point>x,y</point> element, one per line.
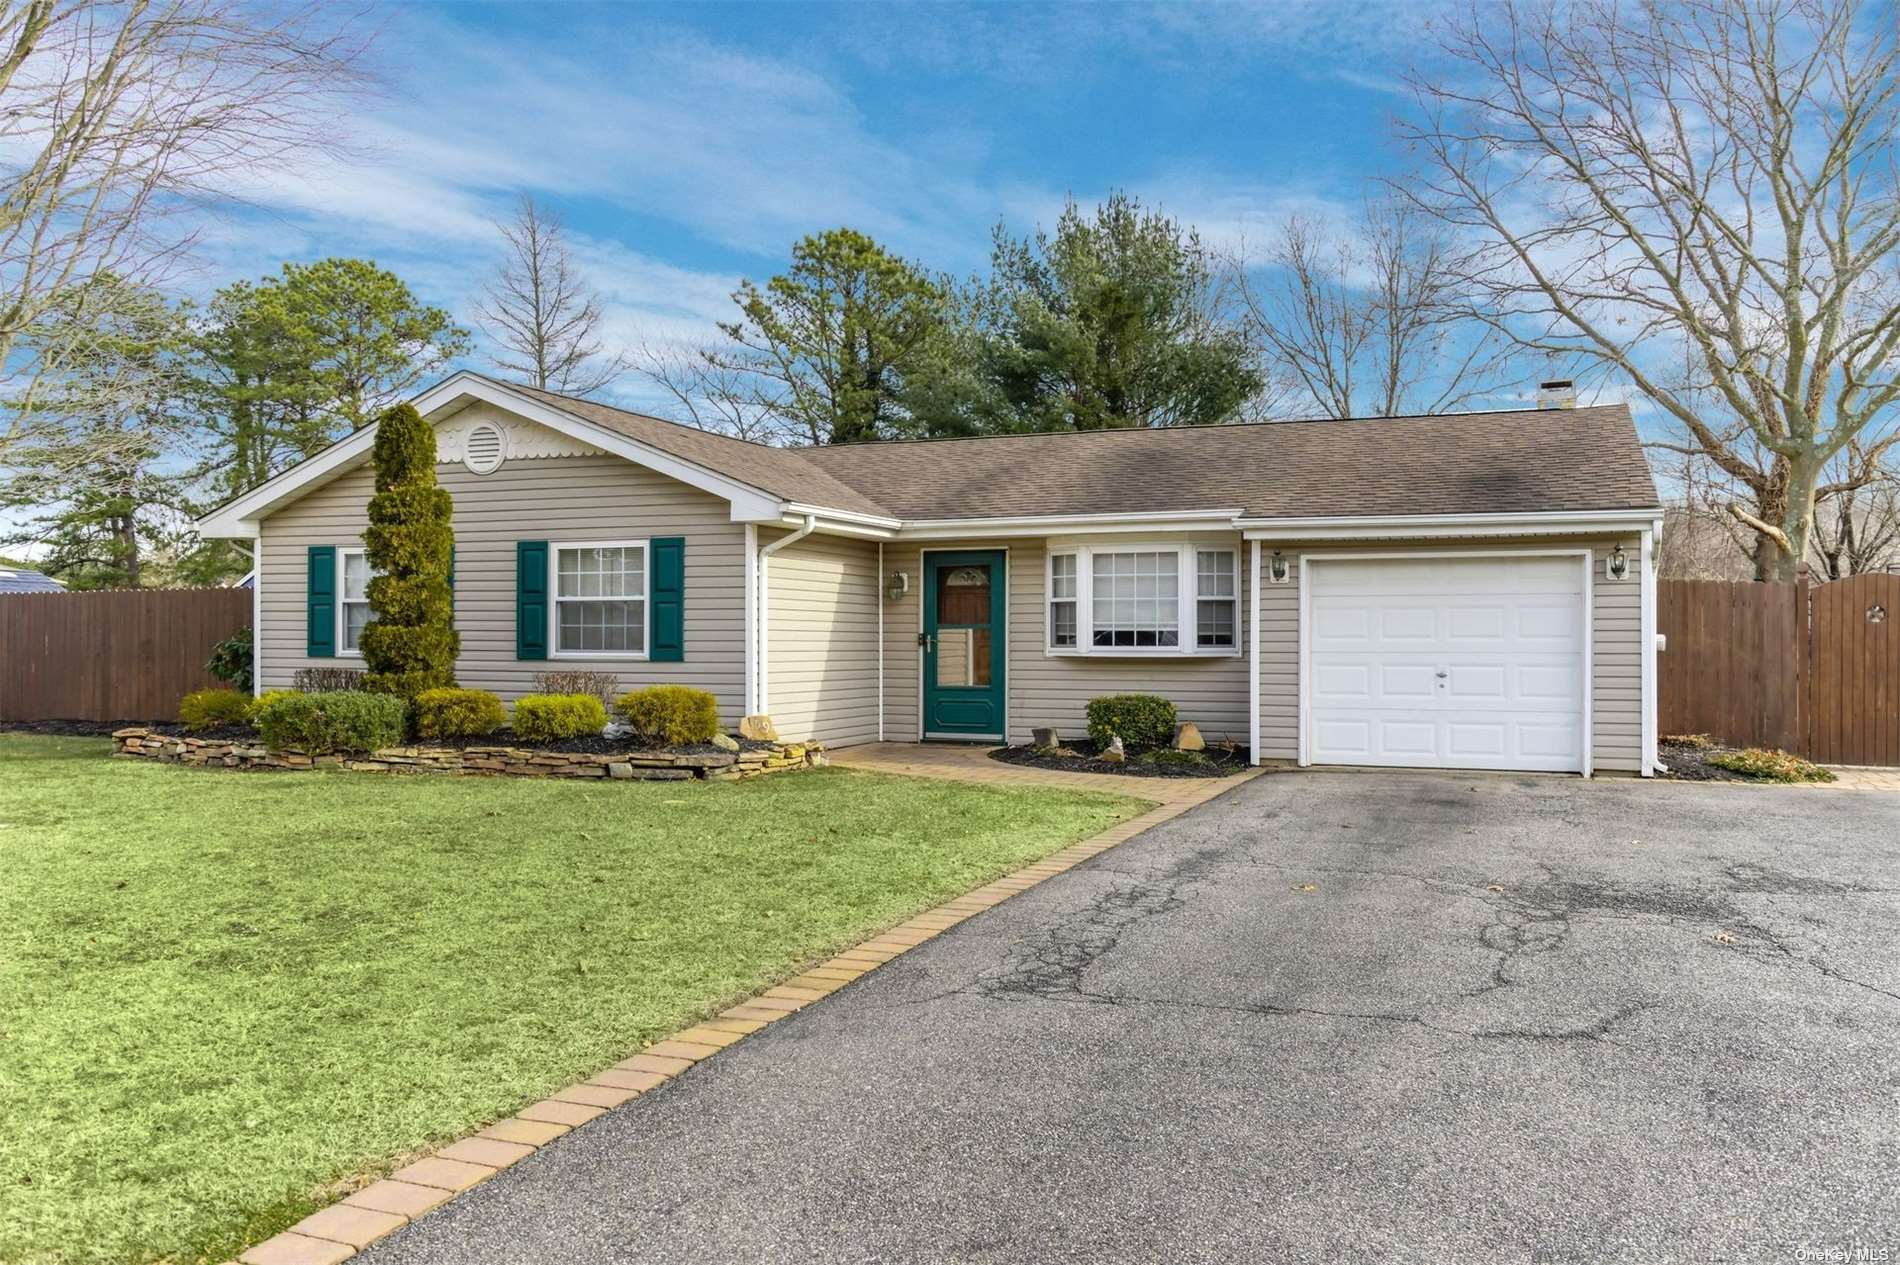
<point>1143,600</point>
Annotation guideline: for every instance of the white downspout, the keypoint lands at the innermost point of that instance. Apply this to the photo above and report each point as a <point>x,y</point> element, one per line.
<point>765,606</point>
<point>877,595</point>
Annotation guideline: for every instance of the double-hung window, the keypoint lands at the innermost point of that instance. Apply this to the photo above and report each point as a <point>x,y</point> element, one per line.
<point>600,599</point>
<point>1216,600</point>
<point>352,605</point>
<point>1143,600</point>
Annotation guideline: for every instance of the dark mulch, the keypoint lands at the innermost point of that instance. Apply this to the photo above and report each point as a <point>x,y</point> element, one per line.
<point>598,744</point>
<point>1689,763</point>
<point>105,728</point>
<point>1080,757</point>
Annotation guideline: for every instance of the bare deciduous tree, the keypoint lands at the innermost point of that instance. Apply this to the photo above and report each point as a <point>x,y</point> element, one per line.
<point>714,395</point>
<point>541,310</point>
<point>1367,320</point>
<point>1713,179</point>
<point>113,115</point>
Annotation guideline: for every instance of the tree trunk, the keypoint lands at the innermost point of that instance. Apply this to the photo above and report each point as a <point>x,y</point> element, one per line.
<point>125,535</point>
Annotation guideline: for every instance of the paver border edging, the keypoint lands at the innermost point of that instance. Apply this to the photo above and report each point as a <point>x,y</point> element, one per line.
<point>339,1231</point>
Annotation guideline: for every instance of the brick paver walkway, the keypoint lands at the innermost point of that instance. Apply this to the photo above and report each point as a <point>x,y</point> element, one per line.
<point>973,764</point>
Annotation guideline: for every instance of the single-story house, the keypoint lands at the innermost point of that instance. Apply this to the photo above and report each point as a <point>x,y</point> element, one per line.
<point>1460,591</point>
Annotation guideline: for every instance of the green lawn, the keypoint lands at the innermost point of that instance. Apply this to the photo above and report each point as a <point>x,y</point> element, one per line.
<point>223,994</point>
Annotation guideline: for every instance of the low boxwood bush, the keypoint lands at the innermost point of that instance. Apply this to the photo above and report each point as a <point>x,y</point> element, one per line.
<point>672,714</point>
<point>265,699</point>
<point>208,709</point>
<point>1771,766</point>
<point>1140,720</point>
<point>457,713</point>
<point>343,720</point>
<point>558,717</point>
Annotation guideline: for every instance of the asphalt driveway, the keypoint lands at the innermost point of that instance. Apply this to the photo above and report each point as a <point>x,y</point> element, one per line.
<point>1339,1016</point>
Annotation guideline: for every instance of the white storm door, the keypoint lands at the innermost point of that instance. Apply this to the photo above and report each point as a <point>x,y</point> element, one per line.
<point>1459,663</point>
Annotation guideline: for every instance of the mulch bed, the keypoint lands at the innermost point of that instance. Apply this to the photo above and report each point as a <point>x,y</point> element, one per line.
<point>105,728</point>
<point>1080,757</point>
<point>598,745</point>
<point>1687,762</point>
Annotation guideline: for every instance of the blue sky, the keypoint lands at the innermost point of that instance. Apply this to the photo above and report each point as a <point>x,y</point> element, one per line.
<point>690,145</point>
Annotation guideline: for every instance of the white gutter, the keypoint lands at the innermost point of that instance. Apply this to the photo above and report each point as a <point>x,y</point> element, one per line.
<point>1400,526</point>
<point>763,702</point>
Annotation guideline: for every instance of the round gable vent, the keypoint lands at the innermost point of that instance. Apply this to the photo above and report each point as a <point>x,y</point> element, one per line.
<point>484,448</point>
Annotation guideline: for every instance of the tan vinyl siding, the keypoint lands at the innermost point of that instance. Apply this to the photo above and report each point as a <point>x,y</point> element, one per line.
<point>594,498</point>
<point>1046,689</point>
<point>821,659</point>
<point>1616,647</point>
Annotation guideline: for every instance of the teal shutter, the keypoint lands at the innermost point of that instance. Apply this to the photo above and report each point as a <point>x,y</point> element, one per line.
<point>531,599</point>
<point>320,603</point>
<point>666,641</point>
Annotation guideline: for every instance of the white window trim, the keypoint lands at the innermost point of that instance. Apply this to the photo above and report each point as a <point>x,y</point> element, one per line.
<point>643,544</point>
<point>342,568</point>
<point>1187,618</point>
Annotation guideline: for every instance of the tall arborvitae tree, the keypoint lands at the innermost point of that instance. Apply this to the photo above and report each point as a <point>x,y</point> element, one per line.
<point>411,643</point>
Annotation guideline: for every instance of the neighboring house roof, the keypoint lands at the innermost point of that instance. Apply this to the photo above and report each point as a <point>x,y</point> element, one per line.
<point>26,580</point>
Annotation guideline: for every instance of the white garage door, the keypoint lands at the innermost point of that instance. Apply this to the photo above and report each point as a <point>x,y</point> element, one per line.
<point>1461,663</point>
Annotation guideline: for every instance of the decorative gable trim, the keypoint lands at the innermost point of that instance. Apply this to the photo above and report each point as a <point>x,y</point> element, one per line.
<point>239,518</point>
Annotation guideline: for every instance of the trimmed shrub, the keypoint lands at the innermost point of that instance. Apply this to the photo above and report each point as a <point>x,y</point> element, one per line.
<point>208,709</point>
<point>676,715</point>
<point>455,713</point>
<point>558,717</point>
<point>265,699</point>
<point>325,680</point>
<point>602,685</point>
<point>410,642</point>
<point>1141,721</point>
<point>230,661</point>
<point>344,720</point>
<point>1771,766</point>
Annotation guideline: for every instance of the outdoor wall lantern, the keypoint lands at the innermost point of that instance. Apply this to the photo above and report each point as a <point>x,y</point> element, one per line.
<point>898,586</point>
<point>1617,565</point>
<point>1277,568</point>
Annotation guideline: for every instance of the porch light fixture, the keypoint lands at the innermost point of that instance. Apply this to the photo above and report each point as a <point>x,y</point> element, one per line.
<point>898,585</point>
<point>1277,570</point>
<point>1617,565</point>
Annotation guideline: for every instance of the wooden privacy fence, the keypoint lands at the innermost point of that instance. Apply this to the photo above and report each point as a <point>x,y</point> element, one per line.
<point>111,656</point>
<point>1809,668</point>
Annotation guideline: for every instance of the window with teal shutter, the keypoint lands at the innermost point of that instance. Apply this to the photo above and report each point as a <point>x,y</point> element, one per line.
<point>669,599</point>
<point>531,599</point>
<point>320,603</point>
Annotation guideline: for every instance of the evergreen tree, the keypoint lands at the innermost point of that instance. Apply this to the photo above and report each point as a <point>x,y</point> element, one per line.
<point>410,644</point>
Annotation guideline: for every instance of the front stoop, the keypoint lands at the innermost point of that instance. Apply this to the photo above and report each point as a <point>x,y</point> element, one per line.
<point>336,1233</point>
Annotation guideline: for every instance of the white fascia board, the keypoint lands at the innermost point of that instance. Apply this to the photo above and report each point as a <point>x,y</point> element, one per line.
<point>1066,524</point>
<point>239,518</point>
<point>1425,526</point>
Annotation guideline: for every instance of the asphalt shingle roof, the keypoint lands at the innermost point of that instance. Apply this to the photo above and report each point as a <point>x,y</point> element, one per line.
<point>1517,461</point>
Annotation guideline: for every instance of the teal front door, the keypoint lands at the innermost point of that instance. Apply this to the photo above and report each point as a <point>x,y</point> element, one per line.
<point>965,596</point>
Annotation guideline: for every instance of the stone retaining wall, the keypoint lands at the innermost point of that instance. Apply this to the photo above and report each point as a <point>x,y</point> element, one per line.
<point>648,766</point>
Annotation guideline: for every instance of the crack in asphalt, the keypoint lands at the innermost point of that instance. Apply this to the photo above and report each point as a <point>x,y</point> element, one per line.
<point>1525,922</point>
